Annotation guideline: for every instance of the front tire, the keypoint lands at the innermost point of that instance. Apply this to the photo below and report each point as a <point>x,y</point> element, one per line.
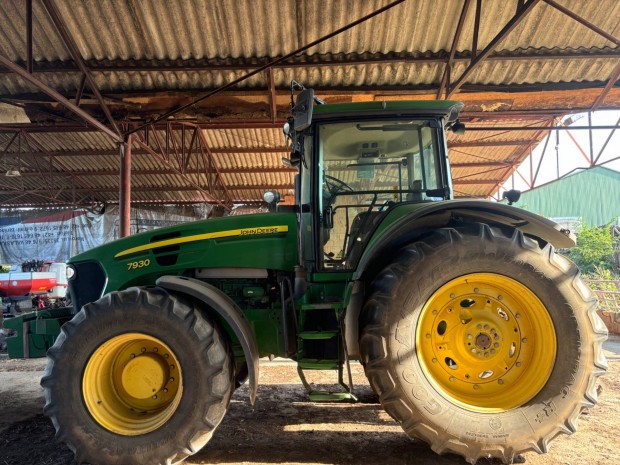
<point>140,376</point>
<point>481,343</point>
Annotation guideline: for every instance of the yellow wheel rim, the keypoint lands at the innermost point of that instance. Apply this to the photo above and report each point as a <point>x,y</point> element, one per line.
<point>132,384</point>
<point>486,342</point>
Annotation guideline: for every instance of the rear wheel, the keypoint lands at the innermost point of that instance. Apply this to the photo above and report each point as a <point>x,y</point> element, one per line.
<point>144,375</point>
<point>481,343</point>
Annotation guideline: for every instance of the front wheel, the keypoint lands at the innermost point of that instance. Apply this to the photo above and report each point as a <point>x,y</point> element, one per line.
<point>140,376</point>
<point>482,343</point>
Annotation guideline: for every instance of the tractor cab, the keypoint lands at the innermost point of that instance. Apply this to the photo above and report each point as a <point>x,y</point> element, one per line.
<point>359,161</point>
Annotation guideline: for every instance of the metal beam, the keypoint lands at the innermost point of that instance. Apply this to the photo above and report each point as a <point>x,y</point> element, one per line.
<point>474,42</point>
<point>350,60</point>
<point>21,72</point>
<point>206,195</point>
<point>29,59</point>
<point>76,179</point>
<point>156,172</point>
<point>155,189</point>
<point>113,152</point>
<point>272,96</point>
<point>516,19</point>
<point>276,61</point>
<point>488,143</point>
<point>581,20</point>
<point>538,128</point>
<point>446,72</point>
<point>125,188</point>
<point>615,74</point>
<point>469,182</point>
<point>481,164</point>
<point>77,57</point>
<point>212,169</point>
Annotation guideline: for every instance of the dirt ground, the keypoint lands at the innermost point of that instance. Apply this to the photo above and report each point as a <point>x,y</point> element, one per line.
<point>285,428</point>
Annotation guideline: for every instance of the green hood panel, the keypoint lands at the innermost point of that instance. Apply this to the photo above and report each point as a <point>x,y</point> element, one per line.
<point>264,240</point>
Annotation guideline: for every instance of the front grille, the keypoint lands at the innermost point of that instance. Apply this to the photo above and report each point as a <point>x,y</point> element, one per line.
<point>87,285</point>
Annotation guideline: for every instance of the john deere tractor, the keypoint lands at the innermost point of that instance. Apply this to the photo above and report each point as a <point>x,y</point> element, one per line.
<point>475,334</point>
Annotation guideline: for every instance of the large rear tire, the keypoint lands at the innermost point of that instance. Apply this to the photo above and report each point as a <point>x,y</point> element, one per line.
<point>140,376</point>
<point>482,343</point>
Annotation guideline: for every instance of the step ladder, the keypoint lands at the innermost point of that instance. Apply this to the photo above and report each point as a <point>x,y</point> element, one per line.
<point>321,346</point>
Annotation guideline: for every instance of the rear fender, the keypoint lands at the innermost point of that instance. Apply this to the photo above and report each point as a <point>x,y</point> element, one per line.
<point>454,212</point>
<point>225,308</point>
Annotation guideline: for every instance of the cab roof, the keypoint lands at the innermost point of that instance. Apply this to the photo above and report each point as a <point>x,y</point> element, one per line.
<point>449,109</point>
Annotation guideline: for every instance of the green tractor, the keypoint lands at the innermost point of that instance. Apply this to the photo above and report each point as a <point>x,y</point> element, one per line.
<point>476,336</point>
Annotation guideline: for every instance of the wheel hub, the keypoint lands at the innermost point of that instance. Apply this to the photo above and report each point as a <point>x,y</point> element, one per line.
<point>483,341</point>
<point>486,342</point>
<point>132,384</point>
<point>144,376</point>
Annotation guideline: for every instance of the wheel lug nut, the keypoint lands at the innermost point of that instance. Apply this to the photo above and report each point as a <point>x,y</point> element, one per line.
<point>434,360</point>
<point>452,378</point>
<point>518,315</point>
<point>492,351</point>
<point>155,397</point>
<point>479,326</point>
<point>500,381</point>
<point>165,389</point>
<point>496,345</point>
<point>469,336</point>
<point>473,351</point>
<point>132,356</point>
<point>524,340</point>
<point>518,364</point>
<point>500,297</point>
<point>143,349</point>
<point>435,312</point>
<point>166,355</point>
<point>476,290</point>
<point>486,326</point>
<point>452,296</point>
<point>486,354</point>
<point>476,387</point>
<point>171,380</point>
<point>428,336</point>
<point>155,349</point>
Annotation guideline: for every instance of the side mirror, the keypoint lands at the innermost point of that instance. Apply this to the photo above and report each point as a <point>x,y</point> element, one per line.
<point>302,111</point>
<point>458,127</point>
<point>512,196</point>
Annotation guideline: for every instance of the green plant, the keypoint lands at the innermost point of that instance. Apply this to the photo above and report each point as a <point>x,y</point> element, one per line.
<point>594,249</point>
<point>602,279</point>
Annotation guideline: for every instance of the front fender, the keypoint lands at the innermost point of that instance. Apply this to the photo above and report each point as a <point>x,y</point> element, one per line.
<point>226,308</point>
<point>403,229</point>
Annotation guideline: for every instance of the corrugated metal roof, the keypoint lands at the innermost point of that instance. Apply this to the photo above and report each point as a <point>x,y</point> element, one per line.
<point>148,56</point>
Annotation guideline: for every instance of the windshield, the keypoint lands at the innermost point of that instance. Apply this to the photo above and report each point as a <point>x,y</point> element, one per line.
<point>364,169</point>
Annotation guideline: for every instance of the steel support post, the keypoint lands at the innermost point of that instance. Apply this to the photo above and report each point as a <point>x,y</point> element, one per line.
<point>125,188</point>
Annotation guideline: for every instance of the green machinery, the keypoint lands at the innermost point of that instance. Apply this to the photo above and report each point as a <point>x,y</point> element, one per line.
<point>476,336</point>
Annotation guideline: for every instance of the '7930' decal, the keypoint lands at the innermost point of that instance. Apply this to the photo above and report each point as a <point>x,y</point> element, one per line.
<point>138,264</point>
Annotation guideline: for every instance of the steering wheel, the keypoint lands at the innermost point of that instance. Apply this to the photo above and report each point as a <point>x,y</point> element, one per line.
<point>335,185</point>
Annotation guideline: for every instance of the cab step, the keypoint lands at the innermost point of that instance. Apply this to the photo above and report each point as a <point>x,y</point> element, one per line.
<point>321,347</point>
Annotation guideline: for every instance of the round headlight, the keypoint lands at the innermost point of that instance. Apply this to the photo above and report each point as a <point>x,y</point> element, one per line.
<point>70,272</point>
<point>271,196</point>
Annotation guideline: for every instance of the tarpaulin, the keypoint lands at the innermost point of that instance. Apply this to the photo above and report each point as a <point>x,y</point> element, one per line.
<point>58,235</point>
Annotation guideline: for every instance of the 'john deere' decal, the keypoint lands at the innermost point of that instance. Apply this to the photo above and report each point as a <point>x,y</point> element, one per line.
<point>203,237</point>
